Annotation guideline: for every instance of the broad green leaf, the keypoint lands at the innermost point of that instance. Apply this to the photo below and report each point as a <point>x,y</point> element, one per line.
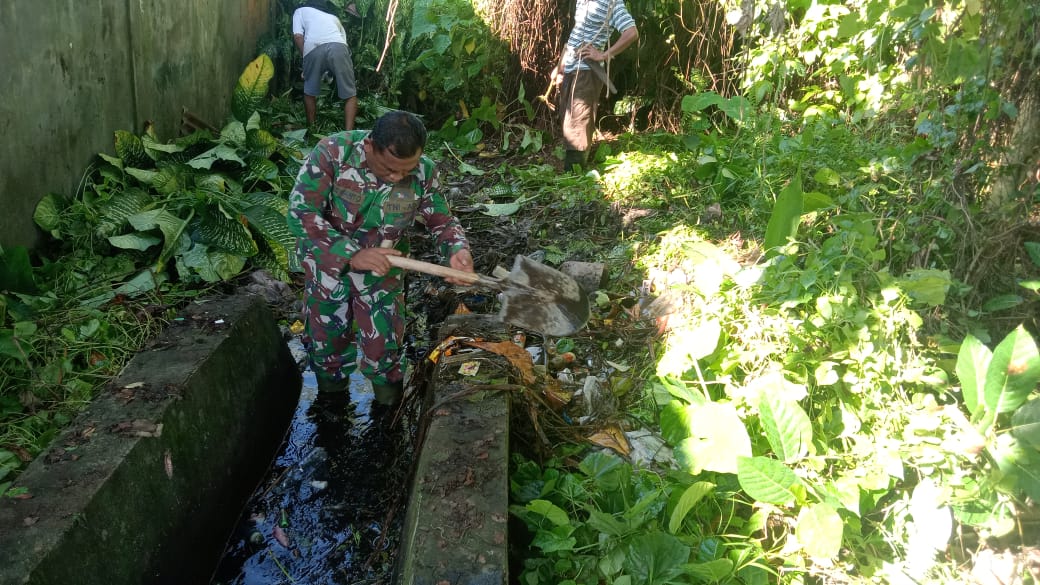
<point>9,346</point>
<point>605,523</point>
<point>737,108</point>
<point>675,422</point>
<point>217,153</point>
<point>151,144</point>
<point>926,286</point>
<point>973,360</point>
<point>1032,285</point>
<point>717,439</point>
<point>501,209</point>
<point>1025,423</point>
<point>696,103</point>
<point>557,539</point>
<point>709,572</point>
<point>656,559</point>
<point>1033,249</point>
<point>218,229</point>
<point>211,265</point>
<point>16,273</point>
<point>470,169</point>
<point>48,211</point>
<point>827,176</point>
<point>252,87</point>
<point>135,241</point>
<point>787,427</point>
<point>768,480</point>
<point>787,212</point>
<point>550,511</point>
<point>814,200</point>
<point>142,175</point>
<point>145,281</point>
<point>169,224</point>
<point>1013,372</point>
<point>687,501</point>
<point>819,531</point>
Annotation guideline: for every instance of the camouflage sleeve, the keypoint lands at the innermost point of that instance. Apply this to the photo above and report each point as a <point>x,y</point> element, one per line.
<point>307,203</point>
<point>446,229</point>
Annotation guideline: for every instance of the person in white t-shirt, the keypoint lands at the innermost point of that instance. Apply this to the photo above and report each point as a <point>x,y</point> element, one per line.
<point>319,35</point>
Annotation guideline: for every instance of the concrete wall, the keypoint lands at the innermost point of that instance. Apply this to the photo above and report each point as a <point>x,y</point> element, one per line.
<point>72,72</point>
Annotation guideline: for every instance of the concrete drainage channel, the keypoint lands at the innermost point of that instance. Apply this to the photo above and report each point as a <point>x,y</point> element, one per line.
<point>149,482</point>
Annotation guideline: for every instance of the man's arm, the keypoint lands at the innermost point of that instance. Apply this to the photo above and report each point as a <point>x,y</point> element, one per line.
<point>298,40</point>
<point>628,36</point>
<point>306,220</point>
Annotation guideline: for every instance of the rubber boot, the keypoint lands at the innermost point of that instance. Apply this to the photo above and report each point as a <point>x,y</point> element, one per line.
<point>388,394</point>
<point>575,158</point>
<point>328,385</point>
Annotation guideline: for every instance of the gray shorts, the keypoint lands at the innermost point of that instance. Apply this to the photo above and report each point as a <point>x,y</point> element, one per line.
<point>334,58</point>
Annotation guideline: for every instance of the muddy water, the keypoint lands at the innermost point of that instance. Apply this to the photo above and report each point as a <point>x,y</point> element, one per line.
<point>330,509</point>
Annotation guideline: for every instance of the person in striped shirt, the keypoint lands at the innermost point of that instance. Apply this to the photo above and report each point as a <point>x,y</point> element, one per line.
<point>582,72</point>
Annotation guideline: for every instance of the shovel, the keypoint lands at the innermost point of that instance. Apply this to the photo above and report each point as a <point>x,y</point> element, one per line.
<point>534,296</point>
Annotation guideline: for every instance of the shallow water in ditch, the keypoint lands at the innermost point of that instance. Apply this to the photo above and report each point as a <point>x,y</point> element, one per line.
<point>329,510</point>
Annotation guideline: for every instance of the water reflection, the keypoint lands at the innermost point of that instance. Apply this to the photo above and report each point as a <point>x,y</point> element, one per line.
<point>330,508</point>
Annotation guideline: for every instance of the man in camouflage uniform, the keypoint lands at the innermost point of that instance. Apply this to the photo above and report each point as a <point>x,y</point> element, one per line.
<point>355,196</point>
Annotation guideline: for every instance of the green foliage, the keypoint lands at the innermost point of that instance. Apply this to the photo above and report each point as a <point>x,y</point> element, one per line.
<point>199,201</point>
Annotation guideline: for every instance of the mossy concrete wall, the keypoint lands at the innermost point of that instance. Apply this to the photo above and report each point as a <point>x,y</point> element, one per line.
<point>132,491</point>
<point>75,72</point>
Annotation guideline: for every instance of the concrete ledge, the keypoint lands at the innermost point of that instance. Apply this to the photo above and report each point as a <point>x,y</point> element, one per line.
<point>455,530</point>
<point>173,447</point>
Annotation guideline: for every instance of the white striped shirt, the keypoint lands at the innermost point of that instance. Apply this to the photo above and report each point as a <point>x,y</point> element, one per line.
<point>591,28</point>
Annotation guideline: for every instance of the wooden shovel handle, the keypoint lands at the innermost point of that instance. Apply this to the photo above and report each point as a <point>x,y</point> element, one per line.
<point>442,271</point>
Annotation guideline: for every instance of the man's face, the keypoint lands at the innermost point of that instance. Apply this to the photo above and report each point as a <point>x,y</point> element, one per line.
<point>387,166</point>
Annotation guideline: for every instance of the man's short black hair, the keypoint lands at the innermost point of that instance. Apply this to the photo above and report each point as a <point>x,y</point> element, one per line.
<point>403,133</point>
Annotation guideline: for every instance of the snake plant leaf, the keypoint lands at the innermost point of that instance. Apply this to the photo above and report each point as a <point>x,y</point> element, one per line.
<point>1013,372</point>
<point>130,149</point>
<point>252,87</point>
<point>220,231</point>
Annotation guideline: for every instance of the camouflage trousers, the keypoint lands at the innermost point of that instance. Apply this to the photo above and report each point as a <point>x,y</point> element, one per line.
<point>361,312</point>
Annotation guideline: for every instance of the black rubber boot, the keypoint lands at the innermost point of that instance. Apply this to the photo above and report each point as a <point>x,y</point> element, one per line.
<point>388,394</point>
<point>329,386</point>
<point>575,158</point>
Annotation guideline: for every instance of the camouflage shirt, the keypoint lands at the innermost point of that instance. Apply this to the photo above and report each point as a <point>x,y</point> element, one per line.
<point>339,206</point>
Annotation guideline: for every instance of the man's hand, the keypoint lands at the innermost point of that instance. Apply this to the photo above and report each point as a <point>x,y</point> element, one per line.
<point>374,260</point>
<point>461,260</point>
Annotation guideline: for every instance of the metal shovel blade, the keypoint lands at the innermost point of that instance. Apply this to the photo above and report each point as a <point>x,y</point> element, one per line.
<point>542,299</point>
<point>534,296</point>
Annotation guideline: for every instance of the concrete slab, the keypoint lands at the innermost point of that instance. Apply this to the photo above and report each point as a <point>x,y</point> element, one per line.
<point>455,530</point>
<point>173,446</point>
